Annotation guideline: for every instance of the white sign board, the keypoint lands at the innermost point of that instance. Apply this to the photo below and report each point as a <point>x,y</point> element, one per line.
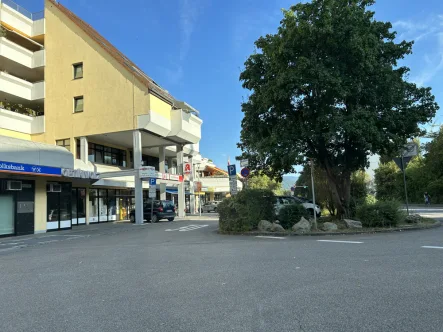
<point>233,185</point>
<point>78,173</point>
<point>152,191</point>
<point>147,172</point>
<point>410,150</point>
<point>174,177</point>
<point>244,163</point>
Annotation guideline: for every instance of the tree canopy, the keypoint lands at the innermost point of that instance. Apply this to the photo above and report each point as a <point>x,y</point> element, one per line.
<point>328,86</point>
<point>424,173</point>
<point>262,181</point>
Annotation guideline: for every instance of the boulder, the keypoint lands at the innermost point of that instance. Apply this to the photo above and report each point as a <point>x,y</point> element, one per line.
<point>353,223</point>
<point>303,226</point>
<point>265,226</point>
<point>277,228</point>
<point>413,219</point>
<point>329,226</point>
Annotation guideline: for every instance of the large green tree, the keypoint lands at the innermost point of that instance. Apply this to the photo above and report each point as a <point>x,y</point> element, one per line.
<point>328,86</point>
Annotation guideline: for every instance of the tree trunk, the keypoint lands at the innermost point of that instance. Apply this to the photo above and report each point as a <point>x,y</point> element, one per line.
<point>341,191</point>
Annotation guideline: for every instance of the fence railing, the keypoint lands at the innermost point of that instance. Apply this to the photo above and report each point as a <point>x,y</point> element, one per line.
<point>24,11</point>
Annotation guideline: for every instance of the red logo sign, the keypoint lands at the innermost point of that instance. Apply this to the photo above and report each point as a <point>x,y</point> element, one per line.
<point>187,168</point>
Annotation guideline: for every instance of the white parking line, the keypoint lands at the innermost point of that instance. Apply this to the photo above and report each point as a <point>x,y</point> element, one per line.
<point>270,237</point>
<point>336,241</point>
<point>431,247</point>
<point>186,228</point>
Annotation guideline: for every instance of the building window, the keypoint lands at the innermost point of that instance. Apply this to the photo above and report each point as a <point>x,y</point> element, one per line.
<point>77,143</point>
<point>106,155</point>
<point>78,70</point>
<point>64,143</point>
<point>78,104</point>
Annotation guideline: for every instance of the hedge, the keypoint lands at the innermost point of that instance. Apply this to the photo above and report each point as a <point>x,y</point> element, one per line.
<point>380,214</point>
<point>243,212</point>
<point>291,214</point>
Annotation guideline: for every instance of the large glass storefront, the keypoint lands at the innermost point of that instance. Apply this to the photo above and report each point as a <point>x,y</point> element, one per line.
<point>58,206</point>
<point>78,202</point>
<point>111,204</point>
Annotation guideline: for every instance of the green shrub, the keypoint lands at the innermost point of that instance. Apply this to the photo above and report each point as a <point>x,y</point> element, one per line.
<point>244,211</point>
<point>380,214</point>
<point>291,214</point>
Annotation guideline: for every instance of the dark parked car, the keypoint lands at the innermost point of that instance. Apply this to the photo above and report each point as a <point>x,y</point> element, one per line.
<point>162,210</point>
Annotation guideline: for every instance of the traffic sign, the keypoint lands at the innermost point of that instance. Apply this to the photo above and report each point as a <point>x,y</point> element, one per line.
<point>152,181</point>
<point>152,192</point>
<point>244,163</point>
<point>231,170</point>
<point>245,172</point>
<point>402,164</point>
<point>147,172</point>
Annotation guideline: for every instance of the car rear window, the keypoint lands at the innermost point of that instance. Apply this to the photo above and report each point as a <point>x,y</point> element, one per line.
<point>167,204</point>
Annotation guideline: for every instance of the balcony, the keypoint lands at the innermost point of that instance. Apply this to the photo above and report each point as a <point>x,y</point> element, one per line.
<point>21,20</point>
<point>21,123</point>
<point>154,123</point>
<point>185,127</point>
<point>11,52</point>
<point>22,89</point>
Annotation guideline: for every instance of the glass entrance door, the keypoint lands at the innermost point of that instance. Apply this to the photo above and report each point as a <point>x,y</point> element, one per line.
<point>7,215</point>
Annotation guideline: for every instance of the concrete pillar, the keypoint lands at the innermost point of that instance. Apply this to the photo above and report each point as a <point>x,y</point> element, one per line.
<point>181,186</point>
<point>84,149</point>
<point>171,169</point>
<point>162,169</point>
<point>191,186</point>
<point>138,183</point>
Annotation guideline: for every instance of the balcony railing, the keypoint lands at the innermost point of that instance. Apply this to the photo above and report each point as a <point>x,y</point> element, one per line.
<point>33,16</point>
<point>19,108</point>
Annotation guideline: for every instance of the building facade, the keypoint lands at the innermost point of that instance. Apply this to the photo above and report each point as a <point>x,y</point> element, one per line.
<point>214,180</point>
<point>78,120</point>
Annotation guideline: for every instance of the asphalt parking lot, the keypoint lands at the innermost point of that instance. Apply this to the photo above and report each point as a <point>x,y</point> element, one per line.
<point>184,276</point>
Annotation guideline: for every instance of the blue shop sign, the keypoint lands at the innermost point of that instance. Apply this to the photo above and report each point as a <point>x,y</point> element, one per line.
<point>6,166</point>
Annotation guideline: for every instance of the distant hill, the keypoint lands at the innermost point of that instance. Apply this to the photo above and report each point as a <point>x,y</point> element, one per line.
<point>289,180</point>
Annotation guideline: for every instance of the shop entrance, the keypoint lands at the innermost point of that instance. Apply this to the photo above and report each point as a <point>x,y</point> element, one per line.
<point>126,205</point>
<point>7,222</point>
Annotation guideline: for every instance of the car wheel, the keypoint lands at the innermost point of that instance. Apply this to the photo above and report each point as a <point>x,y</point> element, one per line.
<point>154,219</point>
<point>132,218</point>
<point>311,212</point>
<point>170,219</point>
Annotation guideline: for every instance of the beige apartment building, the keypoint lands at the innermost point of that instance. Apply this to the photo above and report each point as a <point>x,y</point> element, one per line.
<point>78,120</point>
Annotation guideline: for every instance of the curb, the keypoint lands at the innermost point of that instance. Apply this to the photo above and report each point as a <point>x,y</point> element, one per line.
<point>435,225</point>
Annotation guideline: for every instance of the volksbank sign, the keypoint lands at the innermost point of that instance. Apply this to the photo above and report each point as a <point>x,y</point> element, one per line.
<point>8,167</point>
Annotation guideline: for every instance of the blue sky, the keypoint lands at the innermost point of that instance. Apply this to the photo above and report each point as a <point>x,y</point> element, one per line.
<point>196,49</point>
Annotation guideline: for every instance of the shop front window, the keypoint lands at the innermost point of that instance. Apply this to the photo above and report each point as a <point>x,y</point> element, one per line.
<point>7,214</point>
<point>112,205</point>
<point>58,206</point>
<point>93,205</point>
<point>103,204</point>
<point>78,206</point>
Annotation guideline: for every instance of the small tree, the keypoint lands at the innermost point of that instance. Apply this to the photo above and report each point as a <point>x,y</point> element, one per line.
<point>328,86</point>
<point>262,181</point>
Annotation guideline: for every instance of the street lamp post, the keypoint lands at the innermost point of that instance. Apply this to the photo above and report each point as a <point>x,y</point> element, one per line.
<point>313,193</point>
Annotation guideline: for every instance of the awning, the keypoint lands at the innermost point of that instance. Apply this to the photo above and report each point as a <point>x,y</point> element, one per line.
<point>18,151</point>
<point>174,191</point>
